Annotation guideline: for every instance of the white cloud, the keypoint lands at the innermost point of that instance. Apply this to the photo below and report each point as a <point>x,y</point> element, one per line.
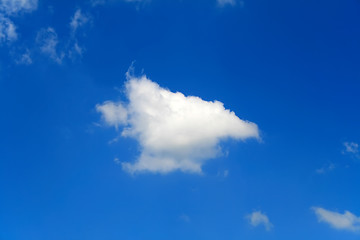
<point>14,6</point>
<point>174,131</point>
<point>226,2</point>
<point>257,218</point>
<point>346,221</point>
<point>78,20</point>
<point>7,30</point>
<point>48,41</point>
<point>113,114</point>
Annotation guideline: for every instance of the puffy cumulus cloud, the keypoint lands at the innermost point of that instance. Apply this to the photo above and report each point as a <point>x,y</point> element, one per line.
<point>7,30</point>
<point>346,221</point>
<point>174,131</point>
<point>14,6</point>
<point>257,218</point>
<point>47,40</point>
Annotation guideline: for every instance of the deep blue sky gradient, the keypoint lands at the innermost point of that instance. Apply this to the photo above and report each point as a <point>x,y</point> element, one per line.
<point>292,67</point>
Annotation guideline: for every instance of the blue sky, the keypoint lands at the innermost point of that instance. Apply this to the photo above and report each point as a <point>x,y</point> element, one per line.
<point>154,119</point>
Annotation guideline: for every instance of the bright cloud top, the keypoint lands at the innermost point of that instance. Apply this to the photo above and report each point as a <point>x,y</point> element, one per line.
<point>258,218</point>
<point>346,221</point>
<point>175,132</point>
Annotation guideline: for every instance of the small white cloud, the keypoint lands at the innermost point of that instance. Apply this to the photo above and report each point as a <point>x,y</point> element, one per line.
<point>48,42</point>
<point>326,168</point>
<point>257,218</point>
<point>15,6</point>
<point>78,20</point>
<point>113,114</point>
<point>7,30</point>
<point>226,2</point>
<point>174,131</point>
<point>346,221</point>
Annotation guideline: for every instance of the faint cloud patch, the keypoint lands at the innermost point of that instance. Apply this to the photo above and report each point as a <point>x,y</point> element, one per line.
<point>326,168</point>
<point>79,19</point>
<point>49,43</point>
<point>258,218</point>
<point>9,9</point>
<point>24,58</point>
<point>138,3</point>
<point>117,161</point>
<point>7,30</point>
<point>185,218</point>
<point>223,3</point>
<point>223,174</point>
<point>47,39</point>
<point>351,148</point>
<point>12,7</point>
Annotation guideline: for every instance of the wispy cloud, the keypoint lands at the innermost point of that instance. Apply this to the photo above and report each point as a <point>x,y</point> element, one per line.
<point>11,7</point>
<point>79,19</point>
<point>25,58</point>
<point>47,40</point>
<point>7,30</point>
<point>185,218</point>
<point>8,10</point>
<point>175,132</point>
<point>351,148</point>
<point>326,168</point>
<point>342,221</point>
<point>258,218</point>
<point>226,2</point>
<point>101,2</point>
<point>223,174</point>
<point>50,45</point>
